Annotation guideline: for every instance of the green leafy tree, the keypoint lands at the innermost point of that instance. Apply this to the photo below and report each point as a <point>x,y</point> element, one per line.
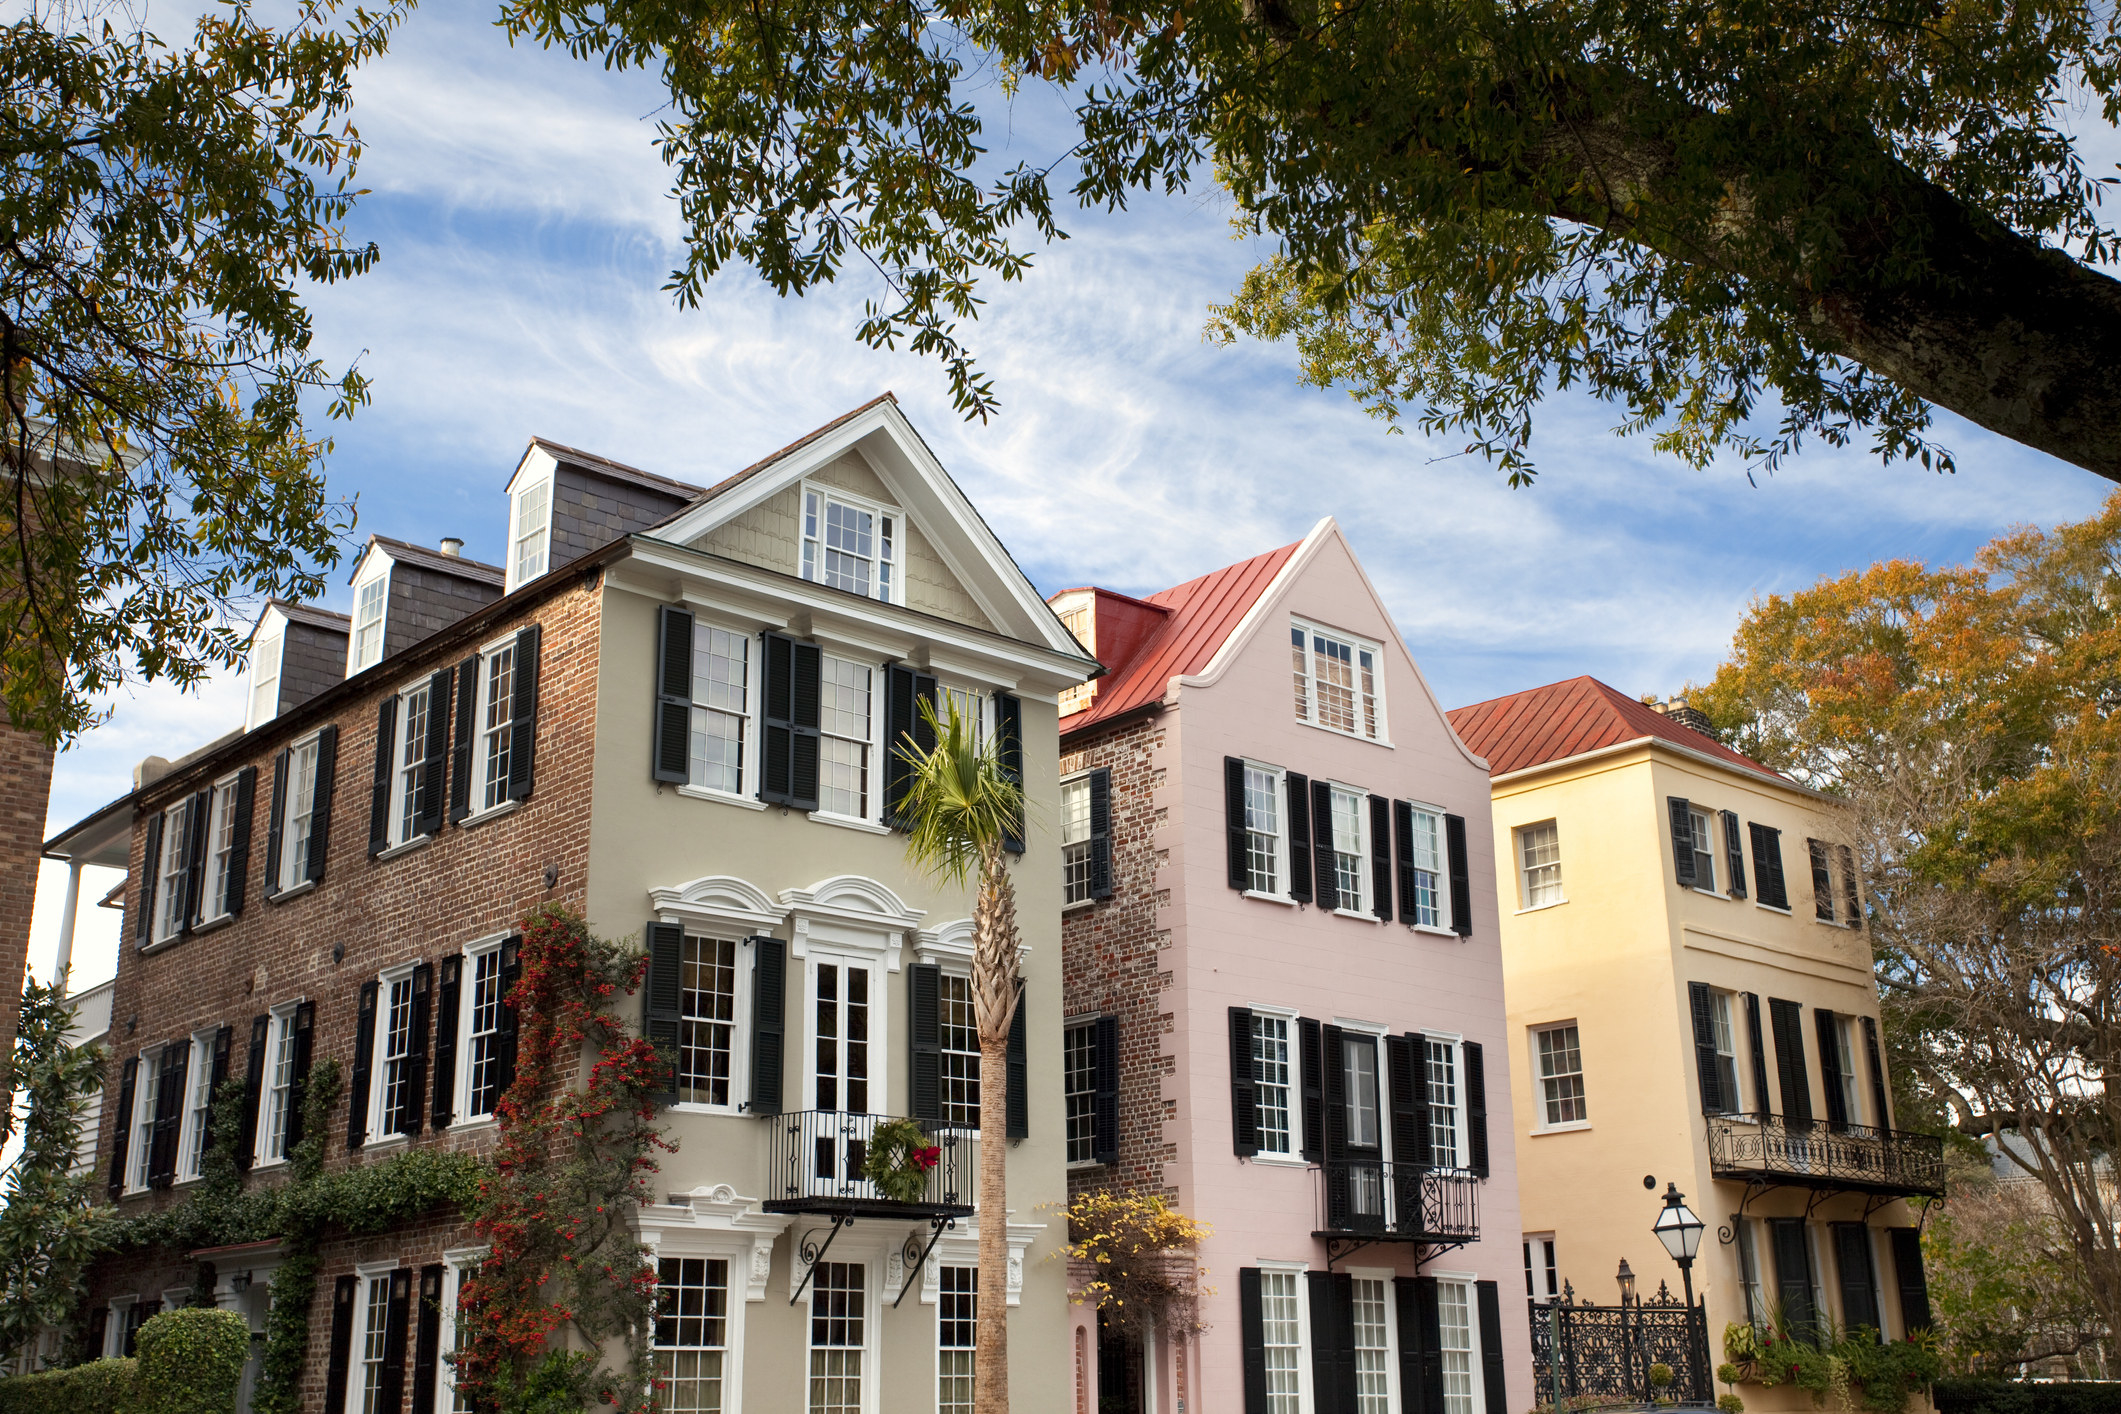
<point>960,807</point>
<point>2006,1289</point>
<point>49,1224</point>
<point>160,211</point>
<point>1686,208</point>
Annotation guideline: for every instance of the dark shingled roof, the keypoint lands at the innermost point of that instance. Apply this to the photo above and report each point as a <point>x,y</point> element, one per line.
<point>428,559</point>
<point>618,471</point>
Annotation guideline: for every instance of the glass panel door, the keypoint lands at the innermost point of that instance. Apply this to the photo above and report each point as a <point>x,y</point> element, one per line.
<point>841,1019</point>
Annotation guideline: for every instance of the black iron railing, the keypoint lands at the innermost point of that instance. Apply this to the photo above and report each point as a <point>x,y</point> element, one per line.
<point>1817,1153</point>
<point>814,1162</point>
<point>1606,1352</point>
<point>1402,1202</point>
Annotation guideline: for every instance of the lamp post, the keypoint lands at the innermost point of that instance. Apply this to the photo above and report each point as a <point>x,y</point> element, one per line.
<point>1680,1232</point>
<point>1626,1278</point>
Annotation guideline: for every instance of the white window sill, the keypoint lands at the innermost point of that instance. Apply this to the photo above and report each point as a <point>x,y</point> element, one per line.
<point>703,793</point>
<point>1075,1164</point>
<point>292,893</point>
<point>1431,930</point>
<point>389,1143</point>
<point>1079,905</point>
<point>1281,1161</point>
<point>848,822</point>
<point>268,1165</point>
<point>1709,893</point>
<point>491,812</point>
<point>1572,1127</point>
<point>1540,907</point>
<point>161,944</point>
<point>1357,914</point>
<point>408,846</point>
<point>1822,922</point>
<point>1345,736</point>
<point>1772,909</point>
<point>208,925</point>
<point>476,1124</point>
<point>1282,899</point>
<point>697,1107</point>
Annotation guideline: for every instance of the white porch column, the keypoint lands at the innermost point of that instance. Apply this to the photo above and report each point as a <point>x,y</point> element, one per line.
<point>65,961</point>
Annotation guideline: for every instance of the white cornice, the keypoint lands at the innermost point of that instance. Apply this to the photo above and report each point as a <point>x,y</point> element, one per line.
<point>719,898</point>
<point>1693,754</point>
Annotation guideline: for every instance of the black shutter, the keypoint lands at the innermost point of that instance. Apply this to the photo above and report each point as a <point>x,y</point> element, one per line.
<point>1488,1297</point>
<point>804,721</point>
<point>769,990</point>
<point>1756,1037</point>
<point>427,1340</point>
<point>342,1309</point>
<point>434,758</point>
<point>224,1044</point>
<point>449,1002</point>
<point>237,879</point>
<point>1101,833</point>
<point>1104,1103</point>
<point>1851,895</point>
<point>320,806</point>
<point>1016,1070</point>
<point>1252,1337</point>
<point>1793,1274</point>
<point>1476,1105</point>
<point>364,1060</point>
<point>1909,1276</point>
<point>1381,856</point>
<point>1322,845</point>
<point>924,1073</point>
<point>663,1003</point>
<point>1822,881</point>
<point>412,1107</point>
<point>1883,1114</point>
<point>1454,839</point>
<point>276,824</point>
<point>98,1332</point>
<point>1418,1056</point>
<point>304,1035</point>
<point>1713,1100</point>
<point>1244,1084</point>
<point>1406,1077</point>
<point>1837,1110</point>
<point>1790,1073</point>
<point>1769,886</point>
<point>198,823</point>
<point>1311,1061</point>
<point>121,1139</point>
<point>379,794</point>
<point>1296,790</point>
<point>253,1091</point>
<point>1009,747</point>
<point>175,1069</point>
<point>390,1389</point>
<point>1236,839</point>
<point>1403,856</point>
<point>777,719</point>
<point>1420,1343</point>
<point>901,717</point>
<point>1333,1076</point>
<point>1682,839</point>
<point>672,760</point>
<point>510,1023</point>
<point>150,873</point>
<point>1859,1283</point>
<point>1332,1342</point>
<point>523,718</point>
<point>460,745</point>
<point>1734,852</point>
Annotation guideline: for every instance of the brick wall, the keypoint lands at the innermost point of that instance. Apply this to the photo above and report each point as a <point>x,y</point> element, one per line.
<point>1111,953</point>
<point>25,794</point>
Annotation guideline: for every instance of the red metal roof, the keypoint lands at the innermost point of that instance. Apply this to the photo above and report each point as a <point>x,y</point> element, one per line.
<point>1567,719</point>
<point>1200,615</point>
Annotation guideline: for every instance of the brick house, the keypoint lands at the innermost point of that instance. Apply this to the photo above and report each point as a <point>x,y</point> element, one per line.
<point>668,711</point>
<point>1284,997</point>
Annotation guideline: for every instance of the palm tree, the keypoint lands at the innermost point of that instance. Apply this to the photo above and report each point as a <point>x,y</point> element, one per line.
<point>959,807</point>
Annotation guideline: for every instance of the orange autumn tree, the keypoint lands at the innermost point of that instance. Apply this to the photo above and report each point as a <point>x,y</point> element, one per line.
<point>1971,718</point>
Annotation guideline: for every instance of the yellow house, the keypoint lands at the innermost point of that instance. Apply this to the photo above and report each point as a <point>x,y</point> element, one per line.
<point>1688,978</point>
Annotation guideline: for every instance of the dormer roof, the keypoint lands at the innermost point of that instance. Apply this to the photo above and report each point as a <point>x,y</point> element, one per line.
<point>605,466</point>
<point>406,552</point>
<point>1573,718</point>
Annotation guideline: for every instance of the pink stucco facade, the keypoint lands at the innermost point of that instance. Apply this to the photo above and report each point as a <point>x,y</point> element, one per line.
<point>1177,946</point>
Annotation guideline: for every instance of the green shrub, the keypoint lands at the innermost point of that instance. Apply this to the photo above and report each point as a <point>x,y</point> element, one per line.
<point>1731,1404</point>
<point>191,1361</point>
<point>1660,1375</point>
<point>99,1387</point>
<point>2013,1397</point>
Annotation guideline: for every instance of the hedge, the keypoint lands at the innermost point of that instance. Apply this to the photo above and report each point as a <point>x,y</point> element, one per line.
<point>2015,1397</point>
<point>191,1361</point>
<point>99,1387</point>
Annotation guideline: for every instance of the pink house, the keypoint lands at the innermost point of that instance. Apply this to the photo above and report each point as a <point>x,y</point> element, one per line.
<point>1284,998</point>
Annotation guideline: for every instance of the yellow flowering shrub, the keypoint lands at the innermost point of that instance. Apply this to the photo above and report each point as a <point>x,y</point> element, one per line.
<point>1141,1254</point>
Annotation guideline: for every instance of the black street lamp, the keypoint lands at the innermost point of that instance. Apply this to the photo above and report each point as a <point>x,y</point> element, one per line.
<point>1626,1279</point>
<point>1680,1232</point>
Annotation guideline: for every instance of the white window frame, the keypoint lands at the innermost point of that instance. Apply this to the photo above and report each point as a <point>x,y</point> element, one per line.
<point>1306,1396</point>
<point>880,1039</point>
<point>1384,1276</point>
<point>1706,826</point>
<point>733,1299</point>
<point>939,1346</point>
<point>169,873</point>
<point>1293,1156</point>
<point>1336,791</point>
<point>739,1022</point>
<point>267,649</point>
<point>372,589</point>
<point>1442,926</point>
<point>220,820</point>
<point>872,777</point>
<point>1088,1026</point>
<point>481,733</point>
<point>1851,1083</point>
<point>748,741</point>
<point>1519,842</point>
<point>1541,1269</point>
<point>1075,851</point>
<point>1476,1374</point>
<point>1461,1156</point>
<point>401,830</point>
<point>294,848</point>
<point>146,1078</point>
<point>114,1329</point>
<point>1728,1001</point>
<point>974,700</point>
<point>872,1264</point>
<point>379,1074</point>
<point>455,1264</point>
<point>199,1071</point>
<point>467,999</point>
<point>810,540</point>
<point>953,970</point>
<point>517,534</point>
<point>1357,646</point>
<point>1281,835</point>
<point>280,1031</point>
<point>369,1273</point>
<point>1540,1078</point>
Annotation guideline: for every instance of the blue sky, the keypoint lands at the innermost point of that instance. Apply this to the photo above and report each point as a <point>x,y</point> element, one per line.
<point>526,233</point>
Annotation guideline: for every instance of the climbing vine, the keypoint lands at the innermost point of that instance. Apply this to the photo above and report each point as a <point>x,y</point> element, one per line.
<point>571,1168</point>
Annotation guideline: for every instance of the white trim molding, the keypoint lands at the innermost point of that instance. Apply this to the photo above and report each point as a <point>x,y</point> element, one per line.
<point>719,898</point>
<point>849,910</point>
<point>960,1248</point>
<point>716,1221</point>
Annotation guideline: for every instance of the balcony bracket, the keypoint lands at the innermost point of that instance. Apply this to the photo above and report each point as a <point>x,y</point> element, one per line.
<point>1876,1201</point>
<point>1754,1188</point>
<point>917,1256</point>
<point>1813,1199</point>
<point>810,1255</point>
<point>1339,1248</point>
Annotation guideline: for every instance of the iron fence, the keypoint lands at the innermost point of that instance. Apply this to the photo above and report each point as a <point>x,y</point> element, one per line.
<point>814,1162</point>
<point>1605,1352</point>
<point>1817,1153</point>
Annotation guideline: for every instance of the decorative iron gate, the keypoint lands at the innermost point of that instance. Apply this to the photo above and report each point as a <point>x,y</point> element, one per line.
<point>1605,1352</point>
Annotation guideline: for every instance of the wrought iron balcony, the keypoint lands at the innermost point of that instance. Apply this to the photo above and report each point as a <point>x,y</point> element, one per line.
<point>1363,1200</point>
<point>814,1161</point>
<point>1817,1153</point>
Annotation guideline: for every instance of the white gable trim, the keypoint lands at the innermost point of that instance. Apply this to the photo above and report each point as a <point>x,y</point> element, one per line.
<point>536,462</point>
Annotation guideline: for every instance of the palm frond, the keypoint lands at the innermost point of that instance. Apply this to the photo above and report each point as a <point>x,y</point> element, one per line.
<point>960,804</point>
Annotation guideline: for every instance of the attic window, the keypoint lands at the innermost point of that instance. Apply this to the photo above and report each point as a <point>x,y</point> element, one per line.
<point>851,545</point>
<point>533,519</point>
<point>368,621</point>
<point>264,680</point>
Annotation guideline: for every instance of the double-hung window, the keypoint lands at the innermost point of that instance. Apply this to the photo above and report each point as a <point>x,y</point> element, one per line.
<point>721,707</point>
<point>1432,904</point>
<point>200,1082</point>
<point>481,1046</point>
<point>958,1028</point>
<point>1373,1346</point>
<point>496,723</point>
<point>278,1098</point>
<point>301,805</point>
<point>1539,857</point>
<point>1844,1033</point>
<point>1455,1311</point>
<point>264,680</point>
<point>1726,1048</point>
<point>1281,1323</point>
<point>410,785</point>
<point>844,733</point>
<point>1705,826</point>
<point>220,849</point>
<point>1075,840</point>
<point>394,1040</point>
<point>1351,849</point>
<point>971,705</point>
<point>1339,681</point>
<point>1558,1053</point>
<point>533,518</point>
<point>851,544</point>
<point>369,602</point>
<point>1079,1088</point>
<point>1274,1063</point>
<point>169,871</point>
<point>147,1098</point>
<point>1445,1122</point>
<point>707,1023</point>
<point>374,1331</point>
<point>838,1336</point>
<point>957,1324</point>
<point>691,1333</point>
<point>1265,853</point>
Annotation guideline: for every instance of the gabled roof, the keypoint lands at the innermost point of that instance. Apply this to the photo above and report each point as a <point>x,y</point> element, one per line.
<point>458,565</point>
<point>1565,719</point>
<point>312,615</point>
<point>1202,613</point>
<point>730,483</point>
<point>617,471</point>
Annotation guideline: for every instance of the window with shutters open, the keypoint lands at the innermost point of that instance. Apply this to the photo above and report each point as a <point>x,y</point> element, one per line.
<point>1266,857</point>
<point>300,804</point>
<point>390,1093</point>
<point>722,691</point>
<point>169,871</point>
<point>1075,840</point>
<point>1447,1127</point>
<point>1707,829</point>
<point>371,1342</point>
<point>957,1029</point>
<point>479,1032</point>
<point>1431,889</point>
<point>220,848</point>
<point>277,1095</point>
<point>846,728</point>
<point>198,1101</point>
<point>1458,1331</point>
<point>146,1097</point>
<point>1079,1089</point>
<point>707,1049</point>
<point>493,743</point>
<point>1274,1056</point>
<point>409,788</point>
<point>1351,850</point>
<point>1282,1322</point>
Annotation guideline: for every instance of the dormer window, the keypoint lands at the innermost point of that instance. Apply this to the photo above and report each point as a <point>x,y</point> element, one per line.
<point>531,535</point>
<point>850,544</point>
<point>264,679</point>
<point>369,601</point>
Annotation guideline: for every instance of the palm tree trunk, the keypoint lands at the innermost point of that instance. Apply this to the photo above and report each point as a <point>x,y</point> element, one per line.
<point>990,1359</point>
